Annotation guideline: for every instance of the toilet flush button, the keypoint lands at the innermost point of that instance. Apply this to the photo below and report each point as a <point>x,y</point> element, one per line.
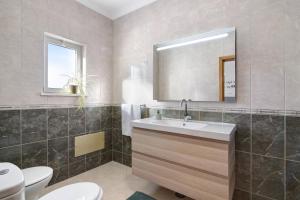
<point>4,171</point>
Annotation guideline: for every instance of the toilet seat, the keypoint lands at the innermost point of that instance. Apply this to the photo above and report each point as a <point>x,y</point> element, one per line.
<point>35,175</point>
<point>77,191</point>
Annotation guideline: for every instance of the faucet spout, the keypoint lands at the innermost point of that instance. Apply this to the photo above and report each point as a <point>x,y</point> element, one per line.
<point>186,114</point>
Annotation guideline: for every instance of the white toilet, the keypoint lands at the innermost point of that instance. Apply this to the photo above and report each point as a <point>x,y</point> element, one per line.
<point>15,183</point>
<point>36,180</point>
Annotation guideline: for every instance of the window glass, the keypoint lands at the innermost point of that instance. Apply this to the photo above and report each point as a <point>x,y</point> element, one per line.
<point>61,65</point>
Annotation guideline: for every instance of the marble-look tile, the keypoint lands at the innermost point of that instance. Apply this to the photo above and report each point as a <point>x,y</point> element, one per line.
<point>108,140</point>
<point>9,128</point>
<point>241,195</point>
<point>57,123</point>
<point>170,113</point>
<point>268,135</point>
<point>34,154</point>
<point>57,152</point>
<point>243,132</point>
<point>292,180</point>
<point>116,117</point>
<point>59,174</point>
<point>76,121</point>
<point>106,157</point>
<point>126,145</point>
<point>34,125</point>
<point>77,167</point>
<point>106,117</point>
<point>153,112</point>
<point>293,138</point>
<point>211,116</point>
<point>117,139</point>
<point>93,161</point>
<point>93,119</point>
<point>127,160</point>
<point>118,157</point>
<point>257,197</point>
<point>243,171</point>
<point>11,154</point>
<point>268,177</point>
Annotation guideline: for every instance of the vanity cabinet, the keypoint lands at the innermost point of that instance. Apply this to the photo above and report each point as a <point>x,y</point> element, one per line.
<point>197,167</point>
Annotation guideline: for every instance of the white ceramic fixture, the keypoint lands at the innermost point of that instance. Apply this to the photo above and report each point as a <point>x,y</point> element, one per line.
<point>210,130</point>
<point>36,180</point>
<point>11,182</point>
<point>77,191</point>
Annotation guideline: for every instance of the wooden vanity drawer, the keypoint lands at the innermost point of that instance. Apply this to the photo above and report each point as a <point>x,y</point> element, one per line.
<point>196,184</point>
<point>207,155</point>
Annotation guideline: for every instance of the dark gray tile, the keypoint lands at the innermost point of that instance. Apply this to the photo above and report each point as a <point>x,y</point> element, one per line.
<point>292,180</point>
<point>126,145</point>
<point>57,123</point>
<point>57,152</point>
<point>118,157</point>
<point>117,139</point>
<point>108,140</point>
<point>34,125</point>
<point>241,195</point>
<point>93,116</point>
<point>34,154</point>
<point>243,171</point>
<point>72,157</point>
<point>268,135</point>
<point>127,160</point>
<point>77,167</point>
<point>268,177</point>
<point>116,117</point>
<point>93,161</point>
<point>106,117</point>
<point>10,128</point>
<point>12,155</point>
<point>106,157</point>
<point>169,113</point>
<point>59,174</point>
<point>211,116</point>
<point>293,138</point>
<point>243,132</point>
<point>257,197</point>
<point>76,121</point>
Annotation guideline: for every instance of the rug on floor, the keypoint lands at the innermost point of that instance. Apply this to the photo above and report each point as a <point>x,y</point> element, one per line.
<point>140,196</point>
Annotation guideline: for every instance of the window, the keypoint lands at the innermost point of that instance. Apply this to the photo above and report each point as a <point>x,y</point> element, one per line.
<point>63,64</point>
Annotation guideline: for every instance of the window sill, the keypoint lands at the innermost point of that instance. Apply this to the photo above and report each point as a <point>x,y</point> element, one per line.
<point>60,94</point>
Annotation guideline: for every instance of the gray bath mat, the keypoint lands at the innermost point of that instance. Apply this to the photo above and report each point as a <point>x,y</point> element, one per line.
<point>140,196</point>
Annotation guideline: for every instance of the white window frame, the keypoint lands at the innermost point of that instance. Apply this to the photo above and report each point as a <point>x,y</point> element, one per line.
<point>80,64</point>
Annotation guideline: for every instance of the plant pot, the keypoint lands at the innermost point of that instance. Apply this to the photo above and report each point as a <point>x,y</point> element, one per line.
<point>74,89</point>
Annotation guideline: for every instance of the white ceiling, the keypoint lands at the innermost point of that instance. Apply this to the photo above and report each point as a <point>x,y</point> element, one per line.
<point>115,8</point>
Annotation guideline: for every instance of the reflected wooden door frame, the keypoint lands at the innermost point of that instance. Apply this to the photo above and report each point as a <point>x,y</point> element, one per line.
<point>222,61</point>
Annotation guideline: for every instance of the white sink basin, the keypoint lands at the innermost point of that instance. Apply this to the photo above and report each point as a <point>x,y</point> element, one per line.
<point>210,130</point>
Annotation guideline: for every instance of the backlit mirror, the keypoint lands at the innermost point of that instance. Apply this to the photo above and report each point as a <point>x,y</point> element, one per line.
<point>200,67</point>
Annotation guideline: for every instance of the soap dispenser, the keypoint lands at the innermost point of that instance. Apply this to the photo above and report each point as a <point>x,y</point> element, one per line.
<point>158,115</point>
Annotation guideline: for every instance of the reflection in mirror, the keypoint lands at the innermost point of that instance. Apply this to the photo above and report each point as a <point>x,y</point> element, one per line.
<point>200,67</point>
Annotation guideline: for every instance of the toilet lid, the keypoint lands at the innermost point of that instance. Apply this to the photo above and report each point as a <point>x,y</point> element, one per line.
<point>34,175</point>
<point>77,191</point>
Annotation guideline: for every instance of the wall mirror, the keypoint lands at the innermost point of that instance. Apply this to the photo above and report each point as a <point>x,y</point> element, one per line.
<point>200,67</point>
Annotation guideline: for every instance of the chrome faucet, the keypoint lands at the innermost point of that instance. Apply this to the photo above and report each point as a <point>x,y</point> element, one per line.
<point>187,117</point>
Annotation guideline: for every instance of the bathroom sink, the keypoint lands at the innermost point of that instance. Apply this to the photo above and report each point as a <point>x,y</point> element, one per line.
<point>210,130</point>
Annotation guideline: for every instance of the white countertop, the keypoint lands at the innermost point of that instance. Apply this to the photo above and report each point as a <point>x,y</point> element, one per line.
<point>211,130</point>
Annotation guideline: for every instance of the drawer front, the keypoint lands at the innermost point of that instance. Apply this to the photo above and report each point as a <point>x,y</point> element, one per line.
<point>191,182</point>
<point>207,155</point>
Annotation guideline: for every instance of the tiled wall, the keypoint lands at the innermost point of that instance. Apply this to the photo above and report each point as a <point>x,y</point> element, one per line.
<point>46,137</point>
<point>267,152</point>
